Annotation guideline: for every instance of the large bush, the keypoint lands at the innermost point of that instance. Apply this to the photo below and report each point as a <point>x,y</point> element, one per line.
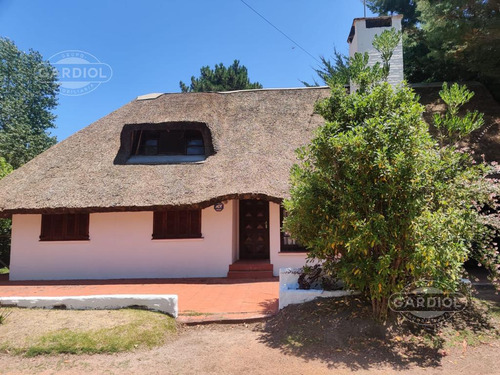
<point>378,200</point>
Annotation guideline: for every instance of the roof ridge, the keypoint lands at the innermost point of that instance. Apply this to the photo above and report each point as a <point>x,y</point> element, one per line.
<point>156,95</point>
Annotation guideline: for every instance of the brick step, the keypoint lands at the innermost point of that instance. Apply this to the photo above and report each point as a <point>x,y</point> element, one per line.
<point>250,266</point>
<point>249,274</point>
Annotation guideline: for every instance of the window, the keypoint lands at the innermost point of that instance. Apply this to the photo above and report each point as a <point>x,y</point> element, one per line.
<point>177,224</point>
<point>169,142</point>
<point>172,142</point>
<point>378,22</point>
<point>167,145</point>
<point>288,244</point>
<point>65,227</point>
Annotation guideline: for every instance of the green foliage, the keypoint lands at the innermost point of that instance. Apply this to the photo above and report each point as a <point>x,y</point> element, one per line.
<point>343,70</point>
<point>4,314</point>
<point>467,32</point>
<point>145,330</point>
<point>377,200</point>
<point>5,168</point>
<point>5,228</point>
<point>337,70</point>
<point>28,92</point>
<point>234,77</point>
<point>385,43</point>
<point>452,127</point>
<point>5,224</point>
<point>361,75</point>
<point>449,40</point>
<point>407,8</point>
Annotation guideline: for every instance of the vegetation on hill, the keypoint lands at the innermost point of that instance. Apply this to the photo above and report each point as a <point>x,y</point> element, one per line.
<point>377,198</point>
<point>448,40</point>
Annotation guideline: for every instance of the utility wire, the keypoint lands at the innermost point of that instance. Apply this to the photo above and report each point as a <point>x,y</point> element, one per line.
<point>281,32</point>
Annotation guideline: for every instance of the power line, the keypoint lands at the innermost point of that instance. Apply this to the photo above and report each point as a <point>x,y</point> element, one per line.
<point>281,32</point>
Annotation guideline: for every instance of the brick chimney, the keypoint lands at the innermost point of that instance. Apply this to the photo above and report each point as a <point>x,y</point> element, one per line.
<point>360,40</point>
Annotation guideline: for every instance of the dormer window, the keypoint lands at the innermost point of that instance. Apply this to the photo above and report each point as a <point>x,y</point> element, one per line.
<point>167,143</point>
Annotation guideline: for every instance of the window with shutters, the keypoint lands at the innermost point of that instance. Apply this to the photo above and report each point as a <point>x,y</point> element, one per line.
<point>288,244</point>
<point>169,142</point>
<point>177,224</point>
<point>177,142</point>
<point>65,227</point>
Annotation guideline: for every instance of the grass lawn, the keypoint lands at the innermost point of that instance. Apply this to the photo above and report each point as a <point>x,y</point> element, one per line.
<point>32,332</point>
<point>4,270</point>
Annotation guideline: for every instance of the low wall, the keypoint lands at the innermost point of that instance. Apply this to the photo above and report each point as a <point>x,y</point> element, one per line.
<point>165,303</point>
<point>290,293</point>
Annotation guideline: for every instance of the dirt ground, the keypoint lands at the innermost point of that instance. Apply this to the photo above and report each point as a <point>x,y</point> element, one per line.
<point>322,337</point>
<point>241,349</point>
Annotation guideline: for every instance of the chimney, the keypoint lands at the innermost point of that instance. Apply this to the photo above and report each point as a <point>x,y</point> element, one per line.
<point>361,37</point>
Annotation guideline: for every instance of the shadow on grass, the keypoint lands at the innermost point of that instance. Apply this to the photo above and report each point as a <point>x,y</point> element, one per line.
<point>341,333</point>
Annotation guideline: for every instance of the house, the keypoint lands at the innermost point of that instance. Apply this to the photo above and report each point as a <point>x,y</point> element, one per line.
<point>172,185</point>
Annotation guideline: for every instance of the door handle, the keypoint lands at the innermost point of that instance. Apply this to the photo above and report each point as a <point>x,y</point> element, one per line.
<point>266,224</point>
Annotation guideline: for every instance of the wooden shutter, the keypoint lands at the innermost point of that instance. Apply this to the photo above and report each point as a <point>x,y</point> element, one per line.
<point>64,227</point>
<point>177,224</point>
<point>46,232</point>
<point>82,227</point>
<point>158,224</point>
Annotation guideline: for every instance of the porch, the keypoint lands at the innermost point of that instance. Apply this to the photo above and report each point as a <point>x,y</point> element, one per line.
<point>200,300</point>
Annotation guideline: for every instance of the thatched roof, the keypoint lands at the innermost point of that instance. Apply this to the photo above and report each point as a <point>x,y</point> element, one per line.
<point>254,135</point>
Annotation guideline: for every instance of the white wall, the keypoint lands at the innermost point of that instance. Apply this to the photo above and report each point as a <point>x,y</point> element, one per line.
<point>120,246</point>
<point>362,42</point>
<point>279,259</point>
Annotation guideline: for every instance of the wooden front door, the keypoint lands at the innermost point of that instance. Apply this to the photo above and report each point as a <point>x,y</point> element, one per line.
<point>254,229</point>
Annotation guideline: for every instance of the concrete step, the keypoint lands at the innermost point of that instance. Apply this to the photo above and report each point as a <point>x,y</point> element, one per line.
<point>250,266</point>
<point>249,274</point>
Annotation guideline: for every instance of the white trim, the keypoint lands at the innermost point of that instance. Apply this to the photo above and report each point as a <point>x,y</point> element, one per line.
<point>177,239</point>
<point>274,89</point>
<point>150,96</point>
<point>63,242</point>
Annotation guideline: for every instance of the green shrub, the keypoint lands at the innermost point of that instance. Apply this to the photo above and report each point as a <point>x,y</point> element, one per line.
<point>378,200</point>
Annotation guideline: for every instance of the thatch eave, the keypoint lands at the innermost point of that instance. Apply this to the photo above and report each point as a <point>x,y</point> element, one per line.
<point>198,205</point>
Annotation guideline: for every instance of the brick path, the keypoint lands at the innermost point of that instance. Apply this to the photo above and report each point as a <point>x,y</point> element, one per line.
<point>200,300</point>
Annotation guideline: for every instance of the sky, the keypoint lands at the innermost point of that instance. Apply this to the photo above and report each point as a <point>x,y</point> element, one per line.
<point>149,46</point>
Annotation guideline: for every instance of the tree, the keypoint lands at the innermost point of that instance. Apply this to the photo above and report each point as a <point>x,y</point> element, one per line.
<point>464,32</point>
<point>376,200</point>
<point>28,90</point>
<point>449,40</point>
<point>234,77</point>
<point>342,68</point>
<point>407,8</point>
<point>338,70</point>
<point>5,224</point>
